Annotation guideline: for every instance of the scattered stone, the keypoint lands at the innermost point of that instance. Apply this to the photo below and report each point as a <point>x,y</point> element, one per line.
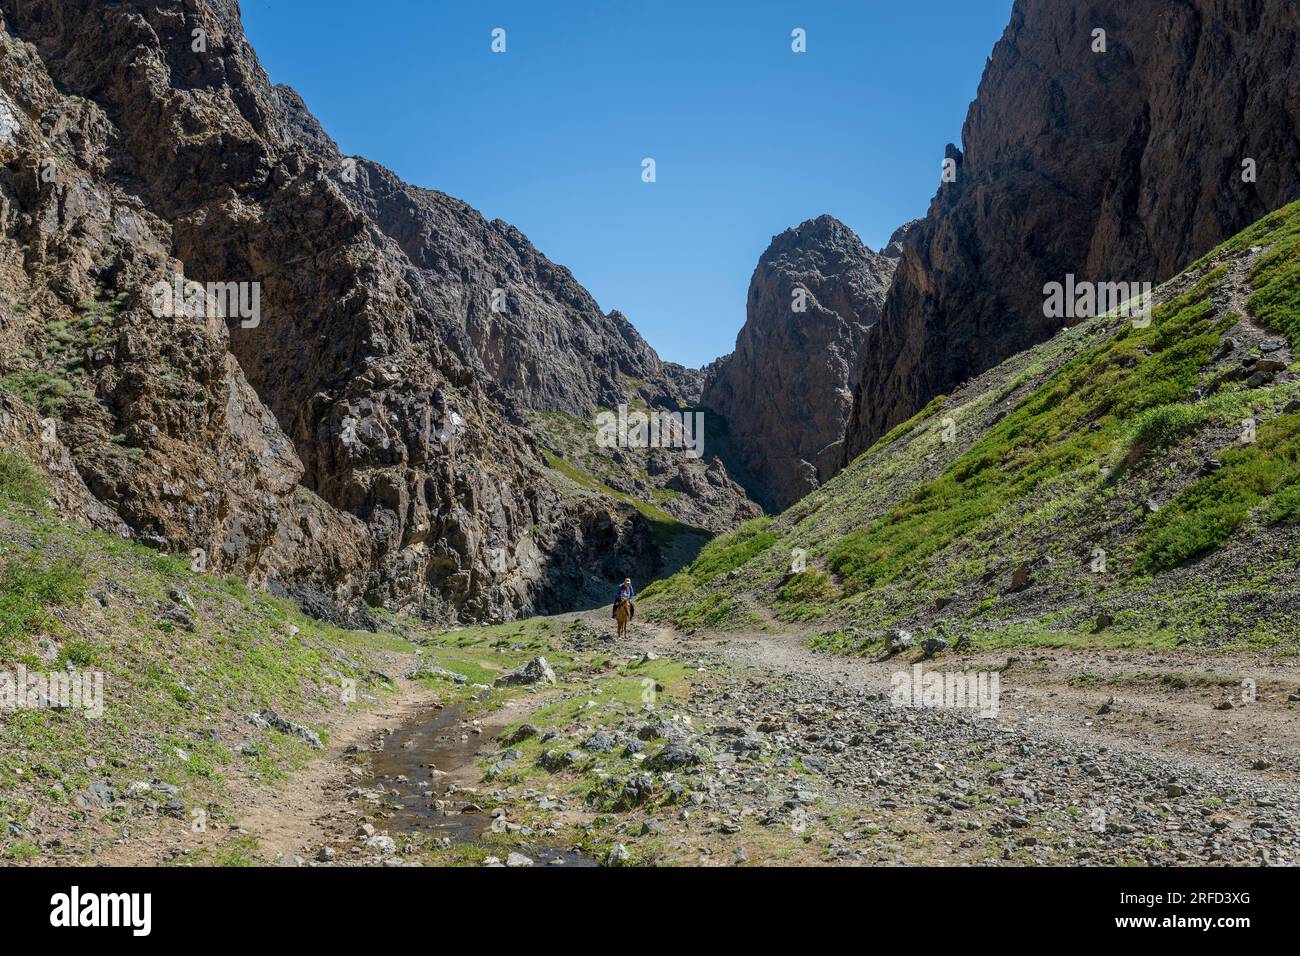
<point>178,615</point>
<point>600,742</point>
<point>536,671</point>
<point>98,796</point>
<point>272,719</point>
<point>505,760</point>
<point>901,641</point>
<point>933,645</point>
<point>675,755</point>
<point>556,760</point>
<point>382,843</point>
<point>520,734</point>
<point>617,856</point>
<point>425,669</point>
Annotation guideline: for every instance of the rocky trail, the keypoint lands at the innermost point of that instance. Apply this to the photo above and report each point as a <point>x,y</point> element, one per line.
<point>759,750</point>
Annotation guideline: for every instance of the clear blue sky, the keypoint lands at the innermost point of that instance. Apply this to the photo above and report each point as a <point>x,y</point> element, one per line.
<point>748,137</point>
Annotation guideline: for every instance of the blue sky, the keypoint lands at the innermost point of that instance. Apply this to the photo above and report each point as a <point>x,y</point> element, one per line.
<point>748,137</point>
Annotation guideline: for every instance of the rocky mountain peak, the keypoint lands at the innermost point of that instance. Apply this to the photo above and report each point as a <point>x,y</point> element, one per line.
<point>786,390</point>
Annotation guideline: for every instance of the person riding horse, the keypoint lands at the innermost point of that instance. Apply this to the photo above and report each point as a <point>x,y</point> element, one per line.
<point>627,593</point>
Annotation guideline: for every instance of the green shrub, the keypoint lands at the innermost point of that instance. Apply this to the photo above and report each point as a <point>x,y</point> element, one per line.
<point>810,585</point>
<point>713,613</point>
<point>1275,277</point>
<point>1161,426</point>
<point>1207,512</point>
<point>1285,506</point>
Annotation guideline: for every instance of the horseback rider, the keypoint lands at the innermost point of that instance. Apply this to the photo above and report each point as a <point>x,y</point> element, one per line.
<point>625,590</point>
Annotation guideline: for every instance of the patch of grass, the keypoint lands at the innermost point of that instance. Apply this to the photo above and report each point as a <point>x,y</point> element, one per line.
<point>29,586</point>
<point>20,481</point>
<point>247,652</point>
<point>1275,277</point>
<point>714,612</point>
<point>898,431</point>
<point>806,596</point>
<point>810,585</point>
<point>732,550</point>
<point>1261,475</point>
<point>1206,513</point>
<point>23,852</point>
<point>41,390</point>
<point>1161,426</point>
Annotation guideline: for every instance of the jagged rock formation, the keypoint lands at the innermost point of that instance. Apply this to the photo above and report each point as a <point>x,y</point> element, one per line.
<point>1115,166</point>
<point>362,436</point>
<point>787,389</point>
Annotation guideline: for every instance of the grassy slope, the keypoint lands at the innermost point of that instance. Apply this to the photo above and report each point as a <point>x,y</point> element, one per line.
<point>1053,455</point>
<point>70,598</point>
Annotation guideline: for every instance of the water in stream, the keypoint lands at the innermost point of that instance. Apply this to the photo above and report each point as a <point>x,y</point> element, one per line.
<point>435,739</point>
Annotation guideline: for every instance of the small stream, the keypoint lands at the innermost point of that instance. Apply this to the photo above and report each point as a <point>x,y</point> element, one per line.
<point>435,739</point>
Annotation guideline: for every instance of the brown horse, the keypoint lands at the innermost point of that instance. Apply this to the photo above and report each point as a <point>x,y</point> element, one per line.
<point>622,613</point>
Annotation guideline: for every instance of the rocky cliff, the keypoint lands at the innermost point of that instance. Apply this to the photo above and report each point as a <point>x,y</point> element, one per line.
<point>787,389</point>
<point>1115,164</point>
<point>356,427</point>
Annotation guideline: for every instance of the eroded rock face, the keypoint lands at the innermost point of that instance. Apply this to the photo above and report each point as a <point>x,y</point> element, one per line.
<point>22,428</point>
<point>1117,166</point>
<point>787,389</point>
<point>363,436</point>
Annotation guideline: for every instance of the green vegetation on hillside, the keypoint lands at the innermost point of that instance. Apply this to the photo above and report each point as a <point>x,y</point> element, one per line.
<point>20,482</point>
<point>905,428</point>
<point>183,656</point>
<point>1065,431</point>
<point>718,557</point>
<point>1107,435</point>
<point>663,527</point>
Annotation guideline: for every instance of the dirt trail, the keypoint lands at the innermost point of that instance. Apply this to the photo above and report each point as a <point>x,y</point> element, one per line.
<point>1158,701</point>
<point>285,817</point>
